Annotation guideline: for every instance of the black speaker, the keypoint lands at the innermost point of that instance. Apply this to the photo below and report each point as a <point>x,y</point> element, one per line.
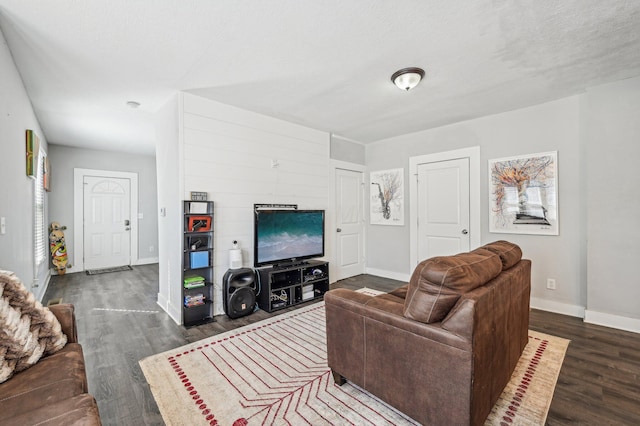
<point>239,297</point>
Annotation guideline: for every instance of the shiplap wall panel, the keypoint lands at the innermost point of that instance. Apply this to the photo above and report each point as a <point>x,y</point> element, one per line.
<point>198,106</point>
<point>229,153</point>
<point>212,131</point>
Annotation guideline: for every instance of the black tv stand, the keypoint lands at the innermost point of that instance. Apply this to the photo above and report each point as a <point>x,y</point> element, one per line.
<point>288,265</point>
<point>286,285</point>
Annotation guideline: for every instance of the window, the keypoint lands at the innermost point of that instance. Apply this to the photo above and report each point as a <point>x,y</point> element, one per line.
<point>39,230</point>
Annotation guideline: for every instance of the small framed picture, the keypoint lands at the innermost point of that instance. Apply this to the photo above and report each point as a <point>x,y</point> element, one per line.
<point>199,196</point>
<point>387,197</point>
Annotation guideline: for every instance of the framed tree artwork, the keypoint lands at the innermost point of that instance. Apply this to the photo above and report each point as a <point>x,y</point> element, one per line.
<point>386,199</point>
<point>523,194</point>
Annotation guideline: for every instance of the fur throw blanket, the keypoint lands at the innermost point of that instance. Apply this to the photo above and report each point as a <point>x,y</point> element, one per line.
<point>28,331</point>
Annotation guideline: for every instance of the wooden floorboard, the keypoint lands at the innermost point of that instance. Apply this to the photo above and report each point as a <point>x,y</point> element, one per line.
<point>119,323</point>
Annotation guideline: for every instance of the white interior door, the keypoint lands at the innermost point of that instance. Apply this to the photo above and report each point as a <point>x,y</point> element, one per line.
<point>107,222</point>
<point>443,208</point>
<point>349,223</point>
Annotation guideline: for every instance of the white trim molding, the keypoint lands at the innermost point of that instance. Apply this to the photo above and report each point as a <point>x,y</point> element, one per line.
<point>174,314</point>
<point>78,214</point>
<point>146,261</point>
<point>389,274</point>
<point>613,321</point>
<point>43,288</point>
<point>557,307</point>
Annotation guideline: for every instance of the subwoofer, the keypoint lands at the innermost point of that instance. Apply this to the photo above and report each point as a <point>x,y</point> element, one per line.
<point>239,288</point>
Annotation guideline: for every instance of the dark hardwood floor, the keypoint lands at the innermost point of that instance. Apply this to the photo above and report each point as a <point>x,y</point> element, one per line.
<point>120,323</point>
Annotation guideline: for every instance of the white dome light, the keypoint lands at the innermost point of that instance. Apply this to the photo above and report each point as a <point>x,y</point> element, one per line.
<point>407,78</point>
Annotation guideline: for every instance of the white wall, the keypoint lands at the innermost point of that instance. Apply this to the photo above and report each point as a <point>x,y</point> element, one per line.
<point>612,133</point>
<point>16,189</point>
<point>553,126</point>
<point>169,167</point>
<point>240,159</point>
<point>347,150</point>
<point>64,159</point>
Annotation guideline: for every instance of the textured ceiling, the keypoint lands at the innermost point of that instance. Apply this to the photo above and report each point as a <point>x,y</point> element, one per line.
<point>324,64</point>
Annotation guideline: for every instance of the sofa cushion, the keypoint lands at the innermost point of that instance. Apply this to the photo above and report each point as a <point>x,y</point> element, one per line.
<point>509,253</point>
<point>55,378</point>
<point>80,410</point>
<point>437,283</point>
<point>400,292</point>
<point>27,329</point>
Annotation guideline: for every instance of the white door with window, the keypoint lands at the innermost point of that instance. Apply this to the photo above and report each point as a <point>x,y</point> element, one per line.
<point>107,222</point>
<point>349,223</point>
<point>443,208</point>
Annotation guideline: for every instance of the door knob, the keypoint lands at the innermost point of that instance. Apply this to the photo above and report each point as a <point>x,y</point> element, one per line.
<point>339,230</point>
<point>127,228</point>
<point>126,222</point>
<point>465,232</point>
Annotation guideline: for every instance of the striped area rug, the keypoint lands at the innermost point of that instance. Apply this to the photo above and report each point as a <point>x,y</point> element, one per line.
<point>275,372</point>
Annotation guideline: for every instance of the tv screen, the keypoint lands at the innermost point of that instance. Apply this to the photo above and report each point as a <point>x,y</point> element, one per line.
<point>285,236</point>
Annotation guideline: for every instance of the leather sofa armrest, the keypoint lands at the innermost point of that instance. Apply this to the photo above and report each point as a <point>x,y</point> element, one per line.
<point>347,296</point>
<point>388,309</point>
<point>460,320</point>
<point>65,312</point>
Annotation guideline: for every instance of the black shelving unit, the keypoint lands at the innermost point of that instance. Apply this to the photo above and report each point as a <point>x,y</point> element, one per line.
<point>197,263</point>
<point>286,286</point>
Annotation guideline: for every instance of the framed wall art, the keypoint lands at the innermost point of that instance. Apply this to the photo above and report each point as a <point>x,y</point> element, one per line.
<point>523,193</point>
<point>32,152</point>
<point>386,199</point>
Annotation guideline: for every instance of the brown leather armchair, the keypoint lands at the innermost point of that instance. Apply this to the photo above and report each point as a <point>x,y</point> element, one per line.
<point>442,348</point>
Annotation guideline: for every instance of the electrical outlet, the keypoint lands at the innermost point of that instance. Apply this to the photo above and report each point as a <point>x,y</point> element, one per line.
<point>551,283</point>
<point>151,249</point>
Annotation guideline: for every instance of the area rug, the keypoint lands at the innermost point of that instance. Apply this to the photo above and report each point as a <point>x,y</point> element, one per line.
<point>107,270</point>
<point>275,372</point>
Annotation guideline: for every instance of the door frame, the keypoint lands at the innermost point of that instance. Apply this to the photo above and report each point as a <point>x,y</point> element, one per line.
<point>473,154</point>
<point>78,212</point>
<point>334,165</point>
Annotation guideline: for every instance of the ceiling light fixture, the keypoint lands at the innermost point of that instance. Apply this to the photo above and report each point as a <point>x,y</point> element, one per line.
<point>133,104</point>
<point>407,78</point>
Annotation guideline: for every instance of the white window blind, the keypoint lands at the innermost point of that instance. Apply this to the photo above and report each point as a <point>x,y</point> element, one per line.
<point>39,229</point>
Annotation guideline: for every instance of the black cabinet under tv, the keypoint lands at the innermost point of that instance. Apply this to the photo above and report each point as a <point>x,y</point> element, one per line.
<point>285,286</point>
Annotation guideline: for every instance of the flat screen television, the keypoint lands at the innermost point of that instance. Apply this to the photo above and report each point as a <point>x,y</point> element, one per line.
<point>287,236</point>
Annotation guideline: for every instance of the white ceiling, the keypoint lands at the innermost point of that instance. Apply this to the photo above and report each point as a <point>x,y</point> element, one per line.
<point>323,64</point>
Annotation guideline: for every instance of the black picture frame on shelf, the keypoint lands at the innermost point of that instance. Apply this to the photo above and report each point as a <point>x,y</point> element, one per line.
<point>197,242</point>
<point>199,196</point>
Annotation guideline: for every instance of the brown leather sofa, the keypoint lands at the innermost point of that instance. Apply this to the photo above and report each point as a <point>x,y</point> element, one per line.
<point>442,348</point>
<point>54,390</point>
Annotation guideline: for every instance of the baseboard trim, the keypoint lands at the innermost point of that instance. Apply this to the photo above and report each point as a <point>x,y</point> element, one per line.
<point>388,274</point>
<point>44,287</point>
<point>69,270</point>
<point>591,317</point>
<point>613,321</point>
<point>176,315</point>
<point>557,307</point>
<point>146,261</point>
